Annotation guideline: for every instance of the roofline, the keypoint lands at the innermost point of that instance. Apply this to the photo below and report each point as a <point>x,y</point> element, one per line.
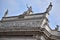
<point>25,15</point>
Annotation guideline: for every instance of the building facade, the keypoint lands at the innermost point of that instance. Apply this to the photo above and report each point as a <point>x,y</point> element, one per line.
<point>28,26</point>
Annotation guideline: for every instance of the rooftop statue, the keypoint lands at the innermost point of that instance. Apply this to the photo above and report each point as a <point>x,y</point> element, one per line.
<point>29,11</point>
<point>6,13</point>
<point>57,28</point>
<point>49,8</point>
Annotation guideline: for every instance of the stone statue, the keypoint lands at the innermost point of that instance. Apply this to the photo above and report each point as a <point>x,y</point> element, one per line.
<point>57,28</point>
<point>49,7</point>
<point>29,11</point>
<point>6,13</point>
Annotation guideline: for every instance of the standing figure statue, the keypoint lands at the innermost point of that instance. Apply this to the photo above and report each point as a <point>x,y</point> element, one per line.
<point>49,7</point>
<point>6,12</point>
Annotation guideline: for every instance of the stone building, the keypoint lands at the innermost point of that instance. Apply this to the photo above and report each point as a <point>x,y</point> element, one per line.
<point>28,26</point>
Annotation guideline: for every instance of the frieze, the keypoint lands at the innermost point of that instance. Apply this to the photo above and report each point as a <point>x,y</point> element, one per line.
<point>26,23</point>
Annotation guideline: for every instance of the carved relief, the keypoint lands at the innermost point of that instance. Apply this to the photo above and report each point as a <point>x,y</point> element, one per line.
<point>28,23</point>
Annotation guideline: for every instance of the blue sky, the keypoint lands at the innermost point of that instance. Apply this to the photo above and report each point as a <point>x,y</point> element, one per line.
<point>17,7</point>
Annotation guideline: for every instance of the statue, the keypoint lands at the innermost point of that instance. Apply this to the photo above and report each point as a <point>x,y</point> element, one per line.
<point>49,8</point>
<point>29,11</point>
<point>6,13</point>
<point>57,27</point>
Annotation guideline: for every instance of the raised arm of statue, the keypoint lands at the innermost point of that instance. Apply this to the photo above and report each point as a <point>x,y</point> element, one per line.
<point>49,7</point>
<point>27,5</point>
<point>29,8</point>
